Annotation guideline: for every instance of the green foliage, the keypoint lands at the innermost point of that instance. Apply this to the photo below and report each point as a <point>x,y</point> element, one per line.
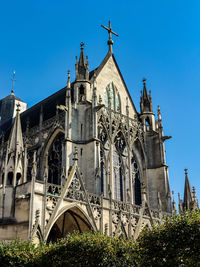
<point>176,242</point>
<point>90,249</point>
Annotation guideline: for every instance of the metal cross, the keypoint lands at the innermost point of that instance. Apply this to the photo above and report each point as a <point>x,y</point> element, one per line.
<point>110,32</point>
<point>13,80</point>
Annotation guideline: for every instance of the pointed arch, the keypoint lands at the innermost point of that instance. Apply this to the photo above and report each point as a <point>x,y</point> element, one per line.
<point>52,156</point>
<point>70,218</point>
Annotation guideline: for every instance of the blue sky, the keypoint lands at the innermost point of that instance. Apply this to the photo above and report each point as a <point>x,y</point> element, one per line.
<point>159,40</point>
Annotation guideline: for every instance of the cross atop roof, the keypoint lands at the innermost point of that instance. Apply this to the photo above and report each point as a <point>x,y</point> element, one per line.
<point>110,32</point>
<point>13,82</point>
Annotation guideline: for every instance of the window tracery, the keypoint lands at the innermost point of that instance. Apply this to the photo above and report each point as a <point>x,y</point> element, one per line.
<point>111,95</point>
<point>118,167</point>
<point>55,160</point>
<point>136,182</point>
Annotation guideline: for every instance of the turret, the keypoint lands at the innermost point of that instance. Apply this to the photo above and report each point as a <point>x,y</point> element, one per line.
<point>187,201</point>
<point>82,84</point>
<point>147,115</point>
<point>14,162</point>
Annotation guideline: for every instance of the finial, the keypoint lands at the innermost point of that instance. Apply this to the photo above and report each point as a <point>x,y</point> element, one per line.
<point>75,158</point>
<point>87,60</point>
<point>144,82</point>
<point>13,82</point>
<point>159,113</point>
<point>95,81</point>
<point>193,192</point>
<point>186,172</point>
<point>82,45</point>
<point>110,31</point>
<point>76,60</point>
<point>68,80</point>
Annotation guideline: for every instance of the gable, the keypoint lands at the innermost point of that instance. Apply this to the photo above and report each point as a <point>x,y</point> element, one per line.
<point>108,72</point>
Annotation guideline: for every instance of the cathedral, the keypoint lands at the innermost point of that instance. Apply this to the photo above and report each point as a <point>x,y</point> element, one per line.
<point>82,159</point>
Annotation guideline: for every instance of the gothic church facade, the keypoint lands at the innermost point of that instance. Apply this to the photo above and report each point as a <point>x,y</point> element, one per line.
<point>84,158</point>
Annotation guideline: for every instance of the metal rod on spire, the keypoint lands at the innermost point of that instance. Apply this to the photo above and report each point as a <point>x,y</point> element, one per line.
<point>13,82</point>
<point>110,32</point>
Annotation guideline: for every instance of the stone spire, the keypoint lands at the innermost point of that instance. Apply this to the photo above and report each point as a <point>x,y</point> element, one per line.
<point>16,140</point>
<point>82,70</point>
<point>187,201</point>
<point>15,150</point>
<point>145,99</point>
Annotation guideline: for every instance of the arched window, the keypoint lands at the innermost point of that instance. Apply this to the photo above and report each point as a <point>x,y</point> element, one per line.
<point>55,160</point>
<point>81,93</point>
<point>118,167</point>
<point>136,182</point>
<point>104,138</point>
<point>147,124</point>
<point>111,94</point>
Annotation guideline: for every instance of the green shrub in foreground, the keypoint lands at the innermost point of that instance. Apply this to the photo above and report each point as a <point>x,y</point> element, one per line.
<point>176,242</point>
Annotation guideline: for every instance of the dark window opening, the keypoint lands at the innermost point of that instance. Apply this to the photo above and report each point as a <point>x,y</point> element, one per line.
<point>81,93</point>
<point>10,178</point>
<point>138,200</point>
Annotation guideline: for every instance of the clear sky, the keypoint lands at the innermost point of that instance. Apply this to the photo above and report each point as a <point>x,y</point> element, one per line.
<point>159,40</point>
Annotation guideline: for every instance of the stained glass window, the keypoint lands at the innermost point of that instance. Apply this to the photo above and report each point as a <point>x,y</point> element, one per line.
<point>112,94</point>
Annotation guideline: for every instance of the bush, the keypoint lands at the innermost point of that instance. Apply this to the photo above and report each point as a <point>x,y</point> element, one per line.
<point>90,249</point>
<point>176,242</point>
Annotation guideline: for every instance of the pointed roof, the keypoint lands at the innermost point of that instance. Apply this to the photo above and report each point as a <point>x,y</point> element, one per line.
<point>16,133</point>
<point>82,71</point>
<point>82,57</point>
<point>145,94</point>
<point>145,101</point>
<point>187,192</point>
<point>12,96</point>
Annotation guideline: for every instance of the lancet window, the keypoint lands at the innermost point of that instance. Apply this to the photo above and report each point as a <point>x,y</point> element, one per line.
<point>55,160</point>
<point>112,97</point>
<point>118,167</point>
<point>103,155</point>
<point>136,182</point>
